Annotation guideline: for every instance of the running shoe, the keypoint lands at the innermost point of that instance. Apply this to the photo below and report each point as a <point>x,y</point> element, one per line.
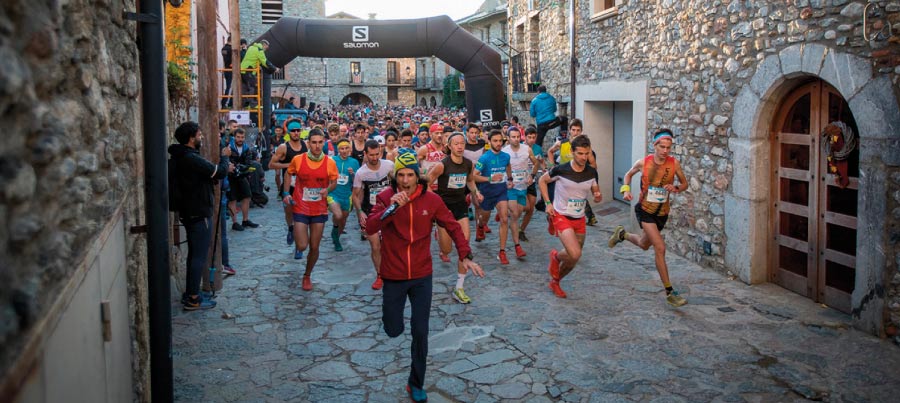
<point>522,236</point>
<point>520,253</point>
<point>298,254</point>
<point>307,283</point>
<point>479,233</point>
<point>460,296</point>
<point>502,257</point>
<point>417,395</point>
<point>557,290</point>
<point>675,300</point>
<point>592,221</point>
<point>550,228</point>
<point>553,267</point>
<point>249,224</point>
<point>445,258</point>
<point>617,236</point>
<point>290,236</point>
<point>487,230</point>
<point>237,227</point>
<point>198,303</point>
<point>336,239</point>
<point>378,283</point>
<point>228,270</point>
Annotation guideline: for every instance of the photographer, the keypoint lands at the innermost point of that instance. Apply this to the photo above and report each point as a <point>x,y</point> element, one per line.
<point>195,179</point>
<point>243,159</point>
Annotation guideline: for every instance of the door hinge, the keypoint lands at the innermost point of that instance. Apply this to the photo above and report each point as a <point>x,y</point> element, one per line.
<point>106,320</point>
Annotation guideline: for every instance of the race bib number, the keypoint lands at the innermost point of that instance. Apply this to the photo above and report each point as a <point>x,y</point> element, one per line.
<point>575,207</point>
<point>657,195</point>
<point>312,194</point>
<point>456,181</point>
<point>499,176</point>
<point>343,179</point>
<point>519,175</point>
<point>373,195</point>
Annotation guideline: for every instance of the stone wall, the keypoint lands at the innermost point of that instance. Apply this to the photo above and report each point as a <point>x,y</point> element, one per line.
<point>71,156</point>
<point>696,57</point>
<point>542,30</point>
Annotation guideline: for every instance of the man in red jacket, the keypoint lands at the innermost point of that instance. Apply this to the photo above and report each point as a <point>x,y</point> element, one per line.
<point>406,257</point>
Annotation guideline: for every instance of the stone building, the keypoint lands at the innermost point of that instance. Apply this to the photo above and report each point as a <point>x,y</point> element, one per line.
<point>488,24</point>
<point>73,300</point>
<point>329,80</point>
<point>748,88</point>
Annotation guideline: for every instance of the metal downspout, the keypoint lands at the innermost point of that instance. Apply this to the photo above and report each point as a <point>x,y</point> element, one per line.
<point>573,61</point>
<point>153,105</point>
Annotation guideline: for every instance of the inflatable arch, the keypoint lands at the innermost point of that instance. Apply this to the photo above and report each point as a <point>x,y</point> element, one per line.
<point>439,36</point>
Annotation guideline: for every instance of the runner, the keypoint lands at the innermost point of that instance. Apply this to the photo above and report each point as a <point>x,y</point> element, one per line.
<point>531,191</point>
<point>334,135</point>
<point>452,176</point>
<point>407,261</point>
<point>658,173</point>
<point>432,153</point>
<point>495,165</point>
<point>390,145</point>
<point>371,178</point>
<point>575,181</point>
<point>564,147</point>
<point>475,147</point>
<point>347,168</point>
<point>523,166</point>
<point>284,154</point>
<point>358,150</point>
<point>316,176</point>
<point>406,137</point>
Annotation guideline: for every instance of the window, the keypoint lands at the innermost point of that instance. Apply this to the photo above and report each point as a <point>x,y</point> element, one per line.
<point>602,9</point>
<point>355,73</point>
<point>272,10</point>
<point>279,75</point>
<point>393,94</point>
<point>392,73</point>
<point>503,31</point>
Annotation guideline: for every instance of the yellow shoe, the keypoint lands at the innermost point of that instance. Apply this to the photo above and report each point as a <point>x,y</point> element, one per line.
<point>617,236</point>
<point>460,296</point>
<point>675,300</point>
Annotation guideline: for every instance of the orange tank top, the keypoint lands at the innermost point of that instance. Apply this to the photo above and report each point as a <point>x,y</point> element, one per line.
<point>655,198</point>
<point>309,182</point>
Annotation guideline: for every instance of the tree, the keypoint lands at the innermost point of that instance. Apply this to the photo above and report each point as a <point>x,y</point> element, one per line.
<point>453,98</point>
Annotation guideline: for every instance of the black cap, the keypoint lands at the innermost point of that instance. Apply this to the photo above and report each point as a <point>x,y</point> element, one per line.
<point>448,129</point>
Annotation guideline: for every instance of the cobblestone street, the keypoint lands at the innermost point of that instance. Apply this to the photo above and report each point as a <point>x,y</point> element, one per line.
<point>613,339</point>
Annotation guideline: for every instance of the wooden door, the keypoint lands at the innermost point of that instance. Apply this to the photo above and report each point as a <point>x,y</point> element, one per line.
<point>813,249</point>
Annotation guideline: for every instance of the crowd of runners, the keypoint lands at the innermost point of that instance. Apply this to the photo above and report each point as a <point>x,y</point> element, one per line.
<point>332,163</point>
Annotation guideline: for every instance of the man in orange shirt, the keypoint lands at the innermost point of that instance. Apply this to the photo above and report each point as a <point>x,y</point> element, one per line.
<point>316,175</point>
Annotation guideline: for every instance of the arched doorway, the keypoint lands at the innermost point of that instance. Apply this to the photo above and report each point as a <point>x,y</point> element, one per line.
<point>814,220</point>
<point>356,99</point>
<point>433,102</point>
<point>423,102</point>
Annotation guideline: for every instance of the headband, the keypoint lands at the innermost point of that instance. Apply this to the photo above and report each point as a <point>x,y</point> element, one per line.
<point>662,135</point>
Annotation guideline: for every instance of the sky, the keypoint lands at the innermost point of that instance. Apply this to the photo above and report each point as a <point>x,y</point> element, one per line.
<point>403,9</point>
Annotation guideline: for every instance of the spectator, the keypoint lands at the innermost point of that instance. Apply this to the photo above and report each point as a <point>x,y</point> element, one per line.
<point>543,110</point>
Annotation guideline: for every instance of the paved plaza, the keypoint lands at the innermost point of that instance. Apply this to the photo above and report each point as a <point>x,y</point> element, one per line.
<point>613,339</point>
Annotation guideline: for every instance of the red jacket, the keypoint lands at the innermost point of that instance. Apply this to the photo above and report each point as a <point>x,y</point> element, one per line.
<point>406,235</point>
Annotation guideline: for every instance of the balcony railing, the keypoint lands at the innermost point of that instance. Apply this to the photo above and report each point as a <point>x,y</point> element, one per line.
<point>429,83</point>
<point>401,81</point>
<point>526,71</point>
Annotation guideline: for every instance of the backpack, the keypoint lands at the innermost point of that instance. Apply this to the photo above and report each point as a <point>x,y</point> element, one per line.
<point>174,189</point>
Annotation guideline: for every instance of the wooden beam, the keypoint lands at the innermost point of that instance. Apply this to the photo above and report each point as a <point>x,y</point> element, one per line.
<point>208,109</point>
<point>234,19</point>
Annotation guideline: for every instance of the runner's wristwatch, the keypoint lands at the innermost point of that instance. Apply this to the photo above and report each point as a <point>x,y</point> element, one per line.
<point>470,257</point>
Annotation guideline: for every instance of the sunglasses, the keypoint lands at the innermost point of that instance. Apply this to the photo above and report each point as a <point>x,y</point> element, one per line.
<point>295,130</point>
